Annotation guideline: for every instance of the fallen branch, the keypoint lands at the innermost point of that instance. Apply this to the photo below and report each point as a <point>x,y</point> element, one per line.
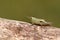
<point>19,30</point>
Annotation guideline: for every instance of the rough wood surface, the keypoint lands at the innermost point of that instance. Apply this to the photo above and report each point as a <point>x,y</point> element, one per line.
<point>19,30</point>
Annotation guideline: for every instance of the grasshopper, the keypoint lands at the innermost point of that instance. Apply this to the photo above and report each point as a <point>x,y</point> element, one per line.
<point>40,22</point>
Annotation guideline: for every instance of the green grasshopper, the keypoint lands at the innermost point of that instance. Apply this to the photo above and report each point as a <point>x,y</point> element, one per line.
<point>40,22</point>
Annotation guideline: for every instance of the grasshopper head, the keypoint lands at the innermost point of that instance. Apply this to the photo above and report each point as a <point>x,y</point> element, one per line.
<point>42,20</point>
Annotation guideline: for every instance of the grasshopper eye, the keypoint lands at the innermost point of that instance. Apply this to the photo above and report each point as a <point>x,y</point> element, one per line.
<point>41,21</point>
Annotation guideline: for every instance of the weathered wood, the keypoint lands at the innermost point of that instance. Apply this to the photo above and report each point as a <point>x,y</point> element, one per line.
<point>19,30</point>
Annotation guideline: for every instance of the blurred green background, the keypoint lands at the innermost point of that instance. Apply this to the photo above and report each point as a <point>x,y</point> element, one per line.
<point>20,9</point>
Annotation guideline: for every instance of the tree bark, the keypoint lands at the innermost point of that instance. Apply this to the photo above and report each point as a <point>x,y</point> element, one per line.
<point>19,30</point>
